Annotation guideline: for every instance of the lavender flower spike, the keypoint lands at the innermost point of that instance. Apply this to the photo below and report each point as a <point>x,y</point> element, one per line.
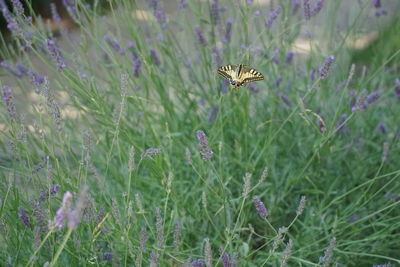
<point>154,56</point>
<point>260,207</point>
<point>7,96</point>
<point>56,54</point>
<point>205,150</point>
<point>323,71</point>
<point>54,13</point>
<point>397,88</point>
<point>318,6</point>
<point>272,17</point>
<point>24,217</point>
<point>228,30</point>
<point>307,9</point>
<point>377,3</point>
<point>18,7</point>
<point>75,215</point>
<point>200,36</point>
<point>62,213</point>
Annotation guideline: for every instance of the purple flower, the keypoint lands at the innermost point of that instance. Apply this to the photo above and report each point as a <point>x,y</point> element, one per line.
<point>70,6</point>
<point>317,8</point>
<point>228,30</point>
<point>151,152</point>
<point>278,81</point>
<point>260,207</point>
<point>381,12</point>
<point>161,17</point>
<point>152,4</point>
<point>18,7</point>
<point>249,2</point>
<point>114,44</point>
<point>37,79</point>
<point>75,215</point>
<point>257,12</point>
<point>284,98</point>
<point>182,3</point>
<point>198,263</point>
<point>214,12</point>
<point>217,57</point>
<point>24,217</point>
<point>289,56</point>
<point>136,65</point>
<point>296,5</point>
<point>213,114</point>
<point>340,124</point>
<point>154,57</point>
<point>323,71</point>
<point>227,261</point>
<point>275,56</point>
<point>272,17</point>
<point>107,256</point>
<point>56,54</point>
<point>307,9</point>
<point>382,128</point>
<point>62,213</point>
<point>48,193</point>
<point>7,96</point>
<point>54,13</point>
<point>397,88</point>
<point>312,74</point>
<point>362,102</point>
<point>205,150</point>
<point>254,88</point>
<point>377,3</point>
<point>371,98</point>
<point>200,36</point>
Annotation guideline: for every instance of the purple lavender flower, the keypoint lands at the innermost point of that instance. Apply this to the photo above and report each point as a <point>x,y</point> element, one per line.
<point>228,30</point>
<point>200,36</point>
<point>40,216</point>
<point>24,217</point>
<point>377,3</point>
<point>7,96</point>
<point>198,263</point>
<point>382,128</point>
<point>213,114</point>
<point>260,207</point>
<point>284,98</point>
<point>48,193</point>
<point>75,215</point>
<point>114,44</point>
<point>289,56</point>
<point>227,261</point>
<point>275,56</point>
<point>249,2</point>
<point>71,7</point>
<point>37,79</point>
<point>373,97</point>
<point>205,150</point>
<point>161,17</point>
<point>154,258</point>
<point>307,9</point>
<point>312,74</point>
<point>182,3</point>
<point>154,57</point>
<point>55,52</point>
<point>62,213</point>
<point>54,14</point>
<point>152,4</point>
<point>383,265</point>
<point>214,12</point>
<point>362,102</point>
<point>254,88</point>
<point>340,124</point>
<point>18,7</point>
<point>317,8</point>
<point>257,12</point>
<point>278,81</point>
<point>136,65</point>
<point>217,57</point>
<point>272,17</point>
<point>107,256</point>
<point>21,69</point>
<point>381,12</point>
<point>397,88</point>
<point>151,152</point>
<point>296,5</point>
<point>323,71</point>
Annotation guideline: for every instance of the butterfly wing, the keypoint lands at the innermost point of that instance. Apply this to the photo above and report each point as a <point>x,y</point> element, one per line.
<point>249,74</point>
<point>228,71</point>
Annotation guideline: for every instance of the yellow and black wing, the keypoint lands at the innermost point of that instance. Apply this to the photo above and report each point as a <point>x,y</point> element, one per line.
<point>248,74</point>
<point>228,71</point>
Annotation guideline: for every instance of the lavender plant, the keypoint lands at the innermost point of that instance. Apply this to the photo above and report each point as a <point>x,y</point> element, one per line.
<point>121,146</point>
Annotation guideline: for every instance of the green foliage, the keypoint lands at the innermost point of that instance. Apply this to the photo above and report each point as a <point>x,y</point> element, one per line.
<point>130,136</point>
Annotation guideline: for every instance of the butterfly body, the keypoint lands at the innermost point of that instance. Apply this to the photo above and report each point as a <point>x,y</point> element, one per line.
<point>239,74</point>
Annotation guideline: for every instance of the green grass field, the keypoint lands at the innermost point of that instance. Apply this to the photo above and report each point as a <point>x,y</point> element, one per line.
<point>121,146</point>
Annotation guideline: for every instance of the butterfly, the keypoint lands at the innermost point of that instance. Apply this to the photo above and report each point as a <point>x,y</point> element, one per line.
<point>239,74</point>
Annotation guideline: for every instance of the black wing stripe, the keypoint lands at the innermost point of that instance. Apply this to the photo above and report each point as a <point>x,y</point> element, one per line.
<point>224,74</point>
